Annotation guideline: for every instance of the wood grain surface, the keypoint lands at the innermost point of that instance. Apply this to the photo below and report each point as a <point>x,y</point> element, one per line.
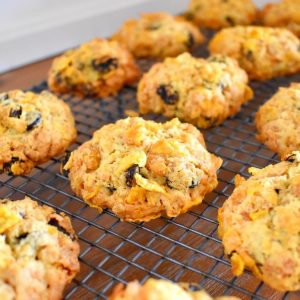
<point>25,77</point>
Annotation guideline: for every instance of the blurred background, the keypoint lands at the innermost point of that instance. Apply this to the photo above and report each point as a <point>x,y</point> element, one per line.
<point>35,29</point>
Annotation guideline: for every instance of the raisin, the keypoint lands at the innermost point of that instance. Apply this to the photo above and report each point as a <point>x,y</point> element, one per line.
<point>189,15</point>
<point>212,120</point>
<point>231,253</point>
<point>22,215</point>
<point>167,93</point>
<point>4,97</point>
<point>230,20</point>
<point>291,158</point>
<point>111,188</point>
<point>168,183</point>
<point>7,165</point>
<point>249,55</point>
<point>33,120</point>
<point>277,191</point>
<point>130,174</point>
<point>22,236</point>
<point>193,184</point>
<point>105,66</point>
<point>222,86</point>
<point>63,162</point>
<point>55,223</point>
<point>190,40</point>
<point>16,112</point>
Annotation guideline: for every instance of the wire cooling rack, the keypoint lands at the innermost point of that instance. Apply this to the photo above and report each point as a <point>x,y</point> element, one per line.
<point>185,248</point>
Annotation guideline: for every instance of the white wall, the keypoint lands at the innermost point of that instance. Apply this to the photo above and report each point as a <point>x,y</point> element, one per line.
<point>34,29</point>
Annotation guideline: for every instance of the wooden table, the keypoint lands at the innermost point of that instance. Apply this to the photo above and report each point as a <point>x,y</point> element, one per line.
<point>25,77</point>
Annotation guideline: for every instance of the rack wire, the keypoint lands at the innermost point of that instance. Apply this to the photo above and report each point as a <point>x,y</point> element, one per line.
<point>182,249</point>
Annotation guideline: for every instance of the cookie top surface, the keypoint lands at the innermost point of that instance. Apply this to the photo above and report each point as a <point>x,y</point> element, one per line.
<point>143,169</point>
<point>286,13</point>
<point>260,224</point>
<point>38,251</point>
<point>158,35</point>
<point>264,52</point>
<point>216,14</point>
<point>160,290</point>
<point>33,128</point>
<point>97,68</point>
<point>200,91</point>
<point>278,121</point>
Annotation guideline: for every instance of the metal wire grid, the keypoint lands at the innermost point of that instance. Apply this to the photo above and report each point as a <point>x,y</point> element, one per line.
<point>185,248</point>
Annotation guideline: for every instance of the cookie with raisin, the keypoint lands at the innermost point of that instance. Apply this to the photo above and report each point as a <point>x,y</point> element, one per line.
<point>158,35</point>
<point>263,52</point>
<point>278,121</point>
<point>260,224</point>
<point>38,251</point>
<point>33,129</point>
<point>285,13</point>
<point>217,14</point>
<point>98,68</point>
<point>142,169</point>
<point>159,289</point>
<point>200,91</point>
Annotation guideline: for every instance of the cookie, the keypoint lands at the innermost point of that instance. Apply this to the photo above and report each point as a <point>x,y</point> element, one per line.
<point>286,14</point>
<point>155,289</point>
<point>278,121</point>
<point>33,128</point>
<point>142,169</point>
<point>38,251</point>
<point>158,35</point>
<point>264,52</point>
<point>98,69</point>
<point>216,14</point>
<point>260,224</point>
<point>203,92</point>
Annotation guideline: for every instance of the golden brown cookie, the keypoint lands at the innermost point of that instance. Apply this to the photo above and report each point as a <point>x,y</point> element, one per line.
<point>98,68</point>
<point>33,128</point>
<point>142,169</point>
<point>260,224</point>
<point>38,251</point>
<point>286,14</point>
<point>264,52</point>
<point>216,14</point>
<point>158,35</point>
<point>278,121</point>
<point>203,92</point>
<point>155,289</point>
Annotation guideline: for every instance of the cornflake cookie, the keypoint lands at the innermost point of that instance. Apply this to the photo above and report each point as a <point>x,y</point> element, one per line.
<point>198,91</point>
<point>260,224</point>
<point>216,14</point>
<point>263,52</point>
<point>283,14</point>
<point>158,35</point>
<point>278,121</point>
<point>155,289</point>
<point>99,68</point>
<point>33,128</point>
<point>38,251</point>
<point>142,169</point>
